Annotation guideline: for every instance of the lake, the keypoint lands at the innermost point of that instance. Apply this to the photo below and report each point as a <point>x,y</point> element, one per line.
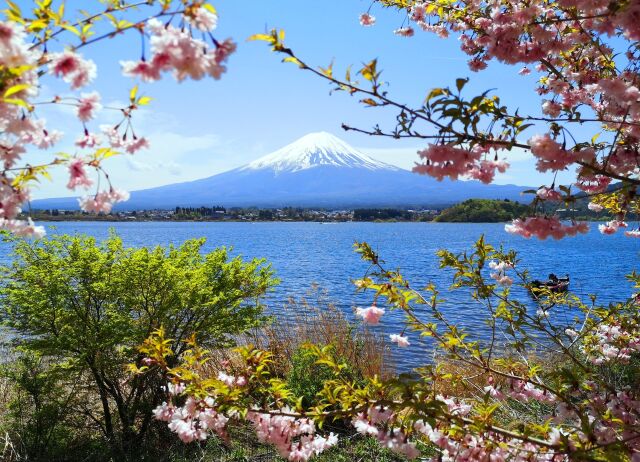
<point>306,253</point>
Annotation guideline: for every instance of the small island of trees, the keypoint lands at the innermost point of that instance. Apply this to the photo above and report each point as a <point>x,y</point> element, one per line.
<point>483,211</point>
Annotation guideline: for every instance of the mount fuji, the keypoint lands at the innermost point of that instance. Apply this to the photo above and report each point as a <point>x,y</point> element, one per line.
<point>318,170</point>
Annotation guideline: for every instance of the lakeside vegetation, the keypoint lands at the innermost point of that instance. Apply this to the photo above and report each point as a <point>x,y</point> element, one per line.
<point>80,309</point>
<point>469,211</point>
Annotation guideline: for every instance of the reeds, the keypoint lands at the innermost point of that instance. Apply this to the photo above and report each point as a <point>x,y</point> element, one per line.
<point>315,319</point>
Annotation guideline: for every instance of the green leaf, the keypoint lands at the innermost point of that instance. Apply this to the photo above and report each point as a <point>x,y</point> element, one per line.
<point>460,83</point>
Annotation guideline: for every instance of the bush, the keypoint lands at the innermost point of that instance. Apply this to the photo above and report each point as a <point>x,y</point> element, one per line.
<point>84,307</point>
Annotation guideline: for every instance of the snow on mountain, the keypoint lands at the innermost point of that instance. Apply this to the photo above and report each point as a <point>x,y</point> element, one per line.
<point>315,150</point>
<point>318,170</point>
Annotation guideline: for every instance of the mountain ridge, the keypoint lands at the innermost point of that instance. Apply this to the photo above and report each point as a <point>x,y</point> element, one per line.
<point>317,170</point>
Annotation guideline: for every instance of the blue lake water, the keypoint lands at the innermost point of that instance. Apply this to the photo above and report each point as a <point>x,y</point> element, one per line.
<point>306,253</point>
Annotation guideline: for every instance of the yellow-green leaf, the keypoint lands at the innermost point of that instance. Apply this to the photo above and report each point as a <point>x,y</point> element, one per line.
<point>209,8</point>
<point>263,37</point>
<point>133,93</point>
<point>294,60</point>
<point>18,102</point>
<point>16,89</point>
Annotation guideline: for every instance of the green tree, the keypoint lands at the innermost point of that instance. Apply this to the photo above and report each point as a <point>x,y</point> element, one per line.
<point>85,307</point>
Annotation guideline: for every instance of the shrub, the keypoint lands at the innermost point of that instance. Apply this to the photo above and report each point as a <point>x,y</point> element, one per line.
<point>85,307</point>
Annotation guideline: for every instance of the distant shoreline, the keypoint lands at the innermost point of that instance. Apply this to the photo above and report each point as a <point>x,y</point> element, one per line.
<point>469,211</point>
<point>115,220</point>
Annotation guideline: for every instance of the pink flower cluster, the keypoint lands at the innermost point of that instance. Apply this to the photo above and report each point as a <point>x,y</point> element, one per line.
<point>231,381</point>
<point>545,227</point>
<point>118,141</point>
<point>294,438</point>
<point>103,201</point>
<point>524,391</point>
<point>612,342</point>
<point>499,274</point>
<point>483,446</point>
<point>378,423</point>
<point>176,50</point>
<point>592,184</point>
<point>551,156</point>
<point>633,233</point>
<point>404,32</point>
<point>447,160</point>
<point>17,129</point>
<point>193,421</point>
<point>612,226</point>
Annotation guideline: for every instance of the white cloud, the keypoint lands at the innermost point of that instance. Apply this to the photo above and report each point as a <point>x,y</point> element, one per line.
<point>138,166</point>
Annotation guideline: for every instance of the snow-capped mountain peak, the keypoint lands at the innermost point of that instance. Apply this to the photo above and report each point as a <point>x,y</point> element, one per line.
<point>316,150</point>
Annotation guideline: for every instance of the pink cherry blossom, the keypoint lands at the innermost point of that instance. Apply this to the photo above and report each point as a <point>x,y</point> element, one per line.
<point>164,412</point>
<point>611,227</point>
<point>72,68</point>
<point>370,315</point>
<point>545,227</point>
<point>595,207</point>
<point>103,201</point>
<point>88,140</point>
<point>43,139</point>
<point>136,144</point>
<point>88,105</point>
<point>499,273</point>
<point>147,71</point>
<point>551,156</point>
<point>404,32</point>
<point>367,20</point>
<point>400,340</point>
<point>592,184</point>
<point>548,194</point>
<point>282,430</point>
<point>551,108</point>
<point>22,228</point>
<point>177,51</point>
<point>78,175</point>
<point>203,19</point>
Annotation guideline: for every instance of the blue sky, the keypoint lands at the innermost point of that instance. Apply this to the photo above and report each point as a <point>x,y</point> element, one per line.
<point>198,129</point>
